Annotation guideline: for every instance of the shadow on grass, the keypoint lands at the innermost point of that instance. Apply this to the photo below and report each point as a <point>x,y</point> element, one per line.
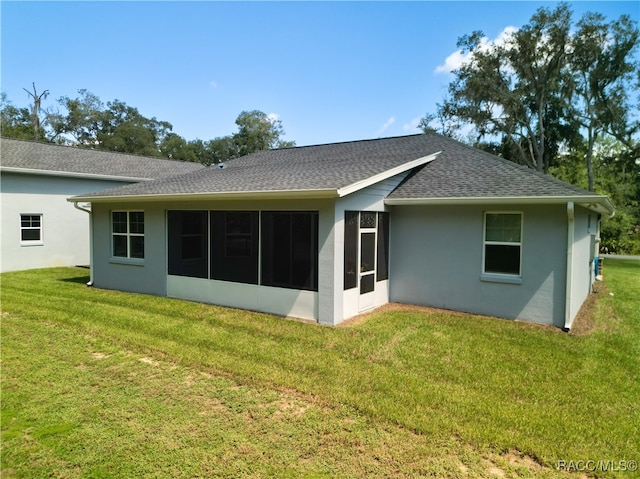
<point>78,279</point>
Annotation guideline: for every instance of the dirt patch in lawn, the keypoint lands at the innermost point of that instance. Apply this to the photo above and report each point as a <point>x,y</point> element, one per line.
<point>586,321</point>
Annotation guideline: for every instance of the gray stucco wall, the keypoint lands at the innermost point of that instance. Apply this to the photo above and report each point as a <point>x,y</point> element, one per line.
<point>138,276</point>
<point>436,260</point>
<point>65,229</point>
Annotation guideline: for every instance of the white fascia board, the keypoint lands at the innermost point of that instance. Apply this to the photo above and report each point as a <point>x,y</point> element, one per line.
<point>70,174</point>
<point>227,195</point>
<point>347,190</point>
<point>599,203</point>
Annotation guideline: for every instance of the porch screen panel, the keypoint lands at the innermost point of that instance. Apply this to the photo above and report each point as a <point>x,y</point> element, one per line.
<point>187,243</point>
<point>350,249</point>
<point>290,249</point>
<point>382,271</point>
<point>234,246</point>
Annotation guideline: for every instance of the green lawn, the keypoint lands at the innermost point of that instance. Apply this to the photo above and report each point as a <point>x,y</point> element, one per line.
<point>106,384</point>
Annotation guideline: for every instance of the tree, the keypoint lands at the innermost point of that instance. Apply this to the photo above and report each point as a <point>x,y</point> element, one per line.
<point>113,127</point>
<point>256,131</point>
<point>36,108</point>
<point>616,167</point>
<point>15,122</point>
<point>223,149</point>
<point>124,129</point>
<point>82,118</point>
<point>511,89</point>
<point>601,74</point>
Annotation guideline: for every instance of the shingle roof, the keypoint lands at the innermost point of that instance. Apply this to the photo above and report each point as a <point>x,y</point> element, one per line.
<point>299,169</point>
<point>31,155</point>
<point>459,171</point>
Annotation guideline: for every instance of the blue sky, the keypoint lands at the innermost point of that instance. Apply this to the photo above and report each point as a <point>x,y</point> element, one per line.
<point>330,71</point>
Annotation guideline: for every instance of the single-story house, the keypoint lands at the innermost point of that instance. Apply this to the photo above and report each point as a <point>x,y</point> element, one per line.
<point>39,227</point>
<point>329,231</point>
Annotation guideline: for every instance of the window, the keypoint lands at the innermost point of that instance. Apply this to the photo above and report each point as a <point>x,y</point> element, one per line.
<point>503,243</point>
<point>234,246</point>
<point>290,249</point>
<point>188,243</point>
<point>31,228</point>
<point>128,234</point>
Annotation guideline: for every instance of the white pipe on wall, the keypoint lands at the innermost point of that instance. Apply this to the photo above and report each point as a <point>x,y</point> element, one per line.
<point>568,320</point>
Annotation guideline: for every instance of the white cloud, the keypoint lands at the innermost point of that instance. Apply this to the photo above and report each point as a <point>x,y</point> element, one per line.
<point>213,84</point>
<point>452,62</point>
<point>412,126</point>
<point>387,124</point>
<point>273,117</point>
<point>457,58</point>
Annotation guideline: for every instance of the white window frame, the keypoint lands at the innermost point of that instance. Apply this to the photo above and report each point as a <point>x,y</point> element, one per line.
<point>128,234</point>
<point>35,242</point>
<point>498,276</point>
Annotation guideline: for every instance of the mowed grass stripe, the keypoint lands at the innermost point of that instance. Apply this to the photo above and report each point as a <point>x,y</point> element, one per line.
<point>493,384</point>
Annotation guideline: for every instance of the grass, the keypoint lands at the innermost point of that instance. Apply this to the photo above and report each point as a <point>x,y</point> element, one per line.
<point>100,383</point>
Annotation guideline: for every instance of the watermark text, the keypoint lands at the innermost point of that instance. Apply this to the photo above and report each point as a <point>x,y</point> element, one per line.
<point>602,465</point>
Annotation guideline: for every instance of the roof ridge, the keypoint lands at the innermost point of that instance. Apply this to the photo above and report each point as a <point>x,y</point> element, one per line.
<point>345,142</point>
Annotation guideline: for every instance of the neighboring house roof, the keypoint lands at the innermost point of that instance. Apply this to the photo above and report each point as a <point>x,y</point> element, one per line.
<point>459,174</point>
<point>50,159</point>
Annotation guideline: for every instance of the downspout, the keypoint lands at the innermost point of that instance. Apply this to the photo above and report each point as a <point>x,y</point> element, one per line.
<point>76,206</point>
<point>568,320</point>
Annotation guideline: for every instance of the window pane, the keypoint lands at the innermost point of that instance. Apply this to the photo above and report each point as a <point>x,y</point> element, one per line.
<point>192,247</point>
<point>383,247</point>
<point>503,259</point>
<point>290,250</point>
<point>30,234</point>
<point>503,227</point>
<point>238,223</point>
<point>350,249</point>
<point>302,251</point>
<point>238,246</point>
<point>367,284</point>
<point>187,247</point>
<point>137,246</point>
<point>281,249</point>
<point>136,222</point>
<point>191,222</point>
<point>238,234</point>
<point>367,252</point>
<point>119,222</point>
<point>234,246</point>
<point>120,246</point>
<point>30,221</point>
<point>367,219</point>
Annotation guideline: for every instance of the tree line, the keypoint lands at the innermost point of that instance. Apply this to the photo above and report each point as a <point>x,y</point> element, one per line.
<point>85,121</point>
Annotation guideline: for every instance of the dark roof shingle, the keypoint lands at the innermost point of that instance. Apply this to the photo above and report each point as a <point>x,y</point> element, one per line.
<point>31,155</point>
<point>461,171</point>
<point>307,168</point>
